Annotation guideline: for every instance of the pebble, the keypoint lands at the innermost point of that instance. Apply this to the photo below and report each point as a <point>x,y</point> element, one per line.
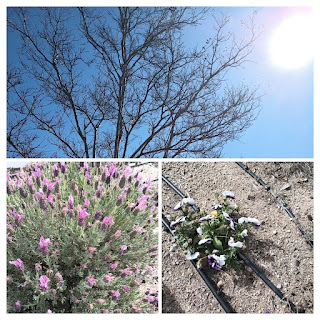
<point>274,232</point>
<point>279,286</point>
<point>173,248</point>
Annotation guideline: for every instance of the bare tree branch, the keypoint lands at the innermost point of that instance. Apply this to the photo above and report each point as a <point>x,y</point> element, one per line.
<point>125,84</point>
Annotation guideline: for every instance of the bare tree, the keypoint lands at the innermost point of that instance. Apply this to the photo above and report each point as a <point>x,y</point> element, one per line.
<point>124,84</point>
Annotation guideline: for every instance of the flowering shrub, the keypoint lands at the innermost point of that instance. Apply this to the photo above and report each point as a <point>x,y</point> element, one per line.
<point>80,238</point>
<point>213,238</point>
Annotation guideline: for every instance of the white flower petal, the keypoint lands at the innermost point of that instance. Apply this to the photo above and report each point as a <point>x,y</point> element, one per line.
<point>204,241</point>
<point>177,206</point>
<point>200,231</point>
<point>228,194</point>
<point>247,220</point>
<point>192,256</point>
<point>208,217</point>
<point>190,201</point>
<point>237,244</point>
<point>180,219</point>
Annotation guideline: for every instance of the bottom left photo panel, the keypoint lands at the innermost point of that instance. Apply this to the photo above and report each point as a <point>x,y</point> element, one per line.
<point>82,237</point>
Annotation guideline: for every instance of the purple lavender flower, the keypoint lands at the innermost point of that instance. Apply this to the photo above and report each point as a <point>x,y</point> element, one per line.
<point>116,295</point>
<point>112,170</point>
<point>55,170</point>
<point>18,264</point>
<point>98,215</point>
<point>107,222</point>
<point>82,215</point>
<point>108,277</point>
<point>125,272</point>
<point>126,288</point>
<point>123,248</point>
<point>44,243</point>
<point>62,166</point>
<point>17,305</point>
<point>98,192</point>
<point>91,281</point>
<point>44,282</point>
<point>113,266</point>
<point>38,267</point>
<point>71,202</point>
<point>17,216</point>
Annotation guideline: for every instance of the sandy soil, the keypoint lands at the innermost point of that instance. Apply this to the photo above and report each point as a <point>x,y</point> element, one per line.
<point>276,247</point>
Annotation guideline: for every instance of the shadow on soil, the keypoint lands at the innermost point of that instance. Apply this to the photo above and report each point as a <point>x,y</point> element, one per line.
<point>169,303</point>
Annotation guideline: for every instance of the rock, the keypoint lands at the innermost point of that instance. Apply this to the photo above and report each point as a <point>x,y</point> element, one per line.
<point>274,232</point>
<point>220,284</point>
<point>251,197</point>
<point>287,186</point>
<point>279,286</point>
<point>173,248</point>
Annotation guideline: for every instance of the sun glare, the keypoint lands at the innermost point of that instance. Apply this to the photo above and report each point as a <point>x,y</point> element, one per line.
<point>291,46</point>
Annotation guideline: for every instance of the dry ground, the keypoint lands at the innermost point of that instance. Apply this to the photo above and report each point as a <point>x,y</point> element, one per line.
<point>276,247</point>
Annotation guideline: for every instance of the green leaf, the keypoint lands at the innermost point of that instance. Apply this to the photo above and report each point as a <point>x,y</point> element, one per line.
<point>217,243</point>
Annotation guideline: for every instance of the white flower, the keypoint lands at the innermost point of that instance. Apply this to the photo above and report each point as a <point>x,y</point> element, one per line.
<point>200,231</point>
<point>237,244</point>
<point>216,262</point>
<point>229,219</point>
<point>203,241</point>
<point>228,194</point>
<point>247,220</point>
<point>180,219</point>
<point>192,256</point>
<point>244,233</point>
<point>208,217</point>
<point>189,201</point>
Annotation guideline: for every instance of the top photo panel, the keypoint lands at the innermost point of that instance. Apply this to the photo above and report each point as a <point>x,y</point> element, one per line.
<point>160,82</point>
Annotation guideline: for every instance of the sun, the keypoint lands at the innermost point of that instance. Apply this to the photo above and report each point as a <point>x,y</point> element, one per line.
<point>291,45</point>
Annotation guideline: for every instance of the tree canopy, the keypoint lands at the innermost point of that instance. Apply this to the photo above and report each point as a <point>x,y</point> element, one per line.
<point>123,83</point>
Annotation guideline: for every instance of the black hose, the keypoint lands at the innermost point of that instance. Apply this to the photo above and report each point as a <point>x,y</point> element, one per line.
<point>224,304</point>
<point>282,203</point>
<point>263,277</point>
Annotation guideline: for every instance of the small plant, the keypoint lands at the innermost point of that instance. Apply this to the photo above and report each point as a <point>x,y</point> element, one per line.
<point>215,238</point>
<point>80,238</point>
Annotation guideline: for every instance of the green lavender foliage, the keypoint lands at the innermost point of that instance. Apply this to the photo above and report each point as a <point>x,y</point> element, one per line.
<point>80,251</point>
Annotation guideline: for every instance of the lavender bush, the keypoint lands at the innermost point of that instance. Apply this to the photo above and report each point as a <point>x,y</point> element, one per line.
<point>80,238</point>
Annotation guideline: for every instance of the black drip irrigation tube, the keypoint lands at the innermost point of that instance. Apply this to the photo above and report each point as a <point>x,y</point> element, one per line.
<point>217,293</point>
<point>281,202</point>
<point>244,258</point>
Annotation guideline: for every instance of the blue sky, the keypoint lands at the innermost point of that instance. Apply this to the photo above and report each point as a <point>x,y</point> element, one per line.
<point>284,128</point>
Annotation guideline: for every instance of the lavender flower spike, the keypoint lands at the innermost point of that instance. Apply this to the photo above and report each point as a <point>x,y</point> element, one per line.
<point>189,201</point>
<point>192,256</point>
<point>247,220</point>
<point>237,244</point>
<point>180,219</point>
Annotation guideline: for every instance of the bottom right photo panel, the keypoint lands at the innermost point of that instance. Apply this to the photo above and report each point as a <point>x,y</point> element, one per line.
<point>237,237</point>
